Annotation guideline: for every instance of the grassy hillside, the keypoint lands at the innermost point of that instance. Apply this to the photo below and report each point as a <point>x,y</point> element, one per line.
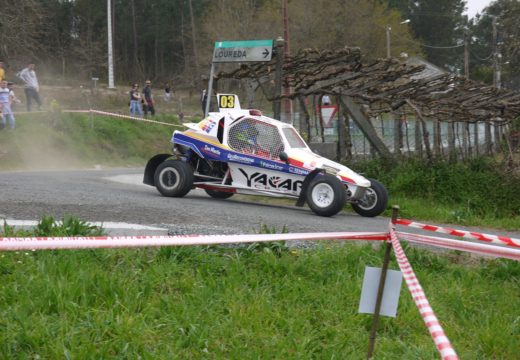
<point>59,140</point>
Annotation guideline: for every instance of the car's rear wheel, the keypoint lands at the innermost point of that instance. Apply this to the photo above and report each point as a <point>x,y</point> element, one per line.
<point>218,194</point>
<point>173,178</point>
<point>374,201</point>
<point>326,195</point>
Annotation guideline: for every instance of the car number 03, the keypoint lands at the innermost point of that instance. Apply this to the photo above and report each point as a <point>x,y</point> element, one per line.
<point>227,101</point>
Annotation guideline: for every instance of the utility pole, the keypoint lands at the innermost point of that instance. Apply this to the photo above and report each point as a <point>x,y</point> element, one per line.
<point>287,103</point>
<point>279,46</point>
<point>497,73</point>
<point>388,52</point>
<point>466,75</point>
<point>496,55</point>
<point>466,54</point>
<point>195,52</point>
<point>110,48</point>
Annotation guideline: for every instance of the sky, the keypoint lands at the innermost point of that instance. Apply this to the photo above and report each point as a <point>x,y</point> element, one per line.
<point>475,6</point>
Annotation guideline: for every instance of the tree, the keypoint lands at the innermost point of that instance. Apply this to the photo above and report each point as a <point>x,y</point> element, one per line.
<point>89,37</point>
<point>312,23</point>
<point>485,48</point>
<point>166,39</point>
<point>439,26</point>
<point>23,26</point>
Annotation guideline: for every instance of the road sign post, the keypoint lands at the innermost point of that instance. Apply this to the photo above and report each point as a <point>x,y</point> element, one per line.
<point>237,51</point>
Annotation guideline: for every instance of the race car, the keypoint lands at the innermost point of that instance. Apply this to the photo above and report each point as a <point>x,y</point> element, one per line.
<point>238,151</point>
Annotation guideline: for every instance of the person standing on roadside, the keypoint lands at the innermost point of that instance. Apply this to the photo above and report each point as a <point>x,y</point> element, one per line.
<point>203,100</point>
<point>148,98</point>
<point>325,100</point>
<point>135,101</point>
<point>2,71</point>
<point>167,92</point>
<point>32,88</point>
<point>5,106</point>
<point>12,96</point>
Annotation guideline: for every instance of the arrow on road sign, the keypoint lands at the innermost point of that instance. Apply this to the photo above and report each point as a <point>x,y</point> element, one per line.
<point>265,53</point>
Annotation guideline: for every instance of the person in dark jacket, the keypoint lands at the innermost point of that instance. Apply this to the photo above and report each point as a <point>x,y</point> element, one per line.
<point>149,103</point>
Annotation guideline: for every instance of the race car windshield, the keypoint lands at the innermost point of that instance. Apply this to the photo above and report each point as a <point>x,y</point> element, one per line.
<point>294,140</point>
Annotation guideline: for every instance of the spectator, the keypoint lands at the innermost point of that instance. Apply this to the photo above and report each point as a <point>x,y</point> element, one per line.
<point>203,100</point>
<point>325,100</point>
<point>2,71</point>
<point>135,101</point>
<point>32,88</point>
<point>12,96</point>
<point>167,92</point>
<point>5,106</point>
<point>148,99</point>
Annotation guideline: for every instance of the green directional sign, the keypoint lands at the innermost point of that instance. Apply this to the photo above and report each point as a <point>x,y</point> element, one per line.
<point>243,51</point>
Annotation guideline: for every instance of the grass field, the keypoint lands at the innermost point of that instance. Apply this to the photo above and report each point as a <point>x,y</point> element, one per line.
<point>245,303</point>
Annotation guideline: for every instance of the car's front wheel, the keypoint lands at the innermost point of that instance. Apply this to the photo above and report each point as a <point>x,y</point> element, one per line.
<point>326,195</point>
<point>374,201</point>
<point>173,178</point>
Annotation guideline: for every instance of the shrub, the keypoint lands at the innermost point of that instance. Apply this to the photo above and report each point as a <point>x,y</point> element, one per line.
<point>479,186</point>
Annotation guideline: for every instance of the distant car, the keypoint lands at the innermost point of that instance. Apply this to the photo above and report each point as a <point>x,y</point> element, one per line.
<point>237,151</point>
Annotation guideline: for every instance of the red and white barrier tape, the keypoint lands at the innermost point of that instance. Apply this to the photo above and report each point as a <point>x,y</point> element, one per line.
<point>99,112</point>
<point>133,118</point>
<point>76,111</point>
<point>477,248</point>
<point>29,112</point>
<point>46,243</point>
<point>419,297</point>
<point>461,233</point>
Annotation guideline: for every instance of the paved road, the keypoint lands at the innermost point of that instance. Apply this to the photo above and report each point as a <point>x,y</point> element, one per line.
<point>119,195</point>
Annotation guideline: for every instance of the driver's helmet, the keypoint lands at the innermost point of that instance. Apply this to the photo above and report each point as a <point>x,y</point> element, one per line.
<point>247,132</point>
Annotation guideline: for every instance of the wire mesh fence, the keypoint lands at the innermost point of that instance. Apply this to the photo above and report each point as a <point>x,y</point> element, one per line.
<point>408,137</point>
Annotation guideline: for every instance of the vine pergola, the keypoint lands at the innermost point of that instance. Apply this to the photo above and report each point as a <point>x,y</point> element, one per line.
<point>367,89</point>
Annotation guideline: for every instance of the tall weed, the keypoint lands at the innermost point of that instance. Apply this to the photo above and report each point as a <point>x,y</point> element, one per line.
<point>47,226</point>
<point>479,187</point>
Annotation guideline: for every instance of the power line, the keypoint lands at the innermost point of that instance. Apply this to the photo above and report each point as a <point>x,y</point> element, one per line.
<point>421,44</point>
<point>426,45</point>
<point>482,59</point>
<point>441,47</point>
<point>429,13</point>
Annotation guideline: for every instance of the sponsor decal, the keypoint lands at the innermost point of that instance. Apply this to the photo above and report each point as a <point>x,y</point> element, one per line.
<point>271,166</point>
<point>298,171</point>
<point>211,150</point>
<point>239,158</point>
<point>263,181</point>
<point>207,125</point>
<point>330,169</point>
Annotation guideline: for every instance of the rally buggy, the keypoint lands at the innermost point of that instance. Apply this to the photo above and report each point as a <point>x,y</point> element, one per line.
<point>241,151</point>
